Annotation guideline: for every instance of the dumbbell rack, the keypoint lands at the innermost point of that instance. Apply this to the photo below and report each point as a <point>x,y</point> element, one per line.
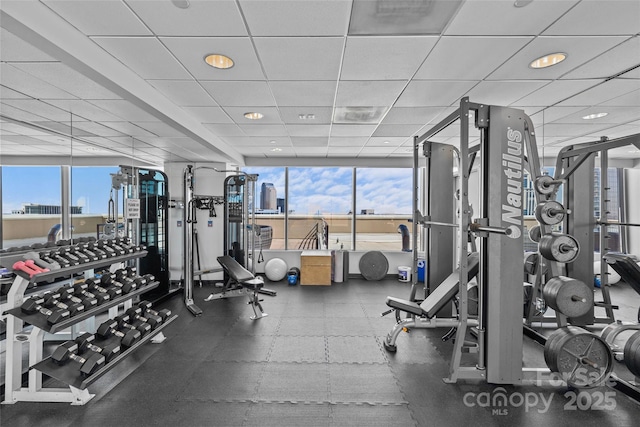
<point>76,394</point>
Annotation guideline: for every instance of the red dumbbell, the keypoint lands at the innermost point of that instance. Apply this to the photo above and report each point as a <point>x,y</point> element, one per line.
<point>29,267</point>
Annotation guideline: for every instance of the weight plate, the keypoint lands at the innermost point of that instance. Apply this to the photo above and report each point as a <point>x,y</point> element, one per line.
<point>374,265</point>
<point>550,212</point>
<point>571,297</point>
<point>535,233</point>
<point>632,354</point>
<point>581,358</point>
<point>531,260</point>
<point>543,185</point>
<point>559,247</point>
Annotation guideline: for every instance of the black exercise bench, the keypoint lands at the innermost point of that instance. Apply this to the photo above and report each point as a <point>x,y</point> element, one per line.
<point>627,267</point>
<point>241,282</point>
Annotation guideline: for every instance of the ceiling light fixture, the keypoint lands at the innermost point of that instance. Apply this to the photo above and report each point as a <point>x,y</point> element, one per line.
<point>548,60</point>
<point>594,116</point>
<point>181,4</point>
<point>219,61</point>
<point>272,142</point>
<point>94,149</point>
<point>385,142</point>
<point>522,3</point>
<point>276,149</point>
<point>306,116</point>
<point>253,116</point>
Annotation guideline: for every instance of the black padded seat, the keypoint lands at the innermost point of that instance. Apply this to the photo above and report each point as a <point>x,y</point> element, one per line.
<point>240,274</point>
<point>626,266</point>
<point>441,295</point>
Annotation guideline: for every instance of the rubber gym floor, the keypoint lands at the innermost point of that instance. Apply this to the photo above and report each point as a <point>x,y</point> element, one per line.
<point>316,360</point>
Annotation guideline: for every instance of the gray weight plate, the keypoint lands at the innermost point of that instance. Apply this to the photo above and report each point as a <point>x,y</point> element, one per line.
<point>549,213</point>
<point>531,262</point>
<point>632,354</point>
<point>374,265</point>
<point>535,233</point>
<point>571,297</point>
<point>559,247</point>
<point>543,185</point>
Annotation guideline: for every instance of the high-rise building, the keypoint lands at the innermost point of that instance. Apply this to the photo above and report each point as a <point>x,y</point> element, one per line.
<point>280,202</point>
<point>268,196</point>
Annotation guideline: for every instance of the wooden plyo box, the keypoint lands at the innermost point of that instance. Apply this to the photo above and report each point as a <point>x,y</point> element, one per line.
<point>315,268</point>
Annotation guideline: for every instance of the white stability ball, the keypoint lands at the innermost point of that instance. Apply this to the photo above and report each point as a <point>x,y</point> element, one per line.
<point>613,276</point>
<point>275,269</point>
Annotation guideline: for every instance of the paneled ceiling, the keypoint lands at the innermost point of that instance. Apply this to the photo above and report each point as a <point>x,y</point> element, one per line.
<point>335,80</point>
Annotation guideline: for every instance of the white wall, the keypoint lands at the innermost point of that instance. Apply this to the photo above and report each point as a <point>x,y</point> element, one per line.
<point>207,182</point>
<point>632,191</point>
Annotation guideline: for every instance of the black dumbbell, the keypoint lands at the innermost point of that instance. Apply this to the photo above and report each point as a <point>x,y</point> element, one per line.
<point>67,293</point>
<point>109,280</point>
<point>66,253</point>
<point>80,254</point>
<point>109,351</point>
<point>99,246</point>
<point>117,249</point>
<point>96,252</point>
<point>94,287</point>
<point>151,319</point>
<point>127,339</point>
<point>55,256</point>
<point>146,308</point>
<point>125,322</point>
<point>81,290</point>
<point>67,351</point>
<point>55,300</point>
<point>34,305</point>
<point>82,249</point>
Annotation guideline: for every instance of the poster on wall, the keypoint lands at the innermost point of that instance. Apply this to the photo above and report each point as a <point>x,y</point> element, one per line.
<point>132,208</point>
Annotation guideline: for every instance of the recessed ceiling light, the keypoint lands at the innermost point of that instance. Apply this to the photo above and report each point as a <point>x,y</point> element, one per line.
<point>548,60</point>
<point>94,149</point>
<point>276,149</point>
<point>306,116</point>
<point>594,116</point>
<point>385,142</point>
<point>218,61</point>
<point>522,3</point>
<point>272,142</point>
<point>181,4</point>
<point>253,116</point>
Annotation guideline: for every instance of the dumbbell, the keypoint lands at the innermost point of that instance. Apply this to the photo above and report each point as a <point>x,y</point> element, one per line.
<point>109,351</point>
<point>34,305</point>
<point>79,254</point>
<point>110,281</point>
<point>117,249</point>
<point>67,294</point>
<point>96,248</point>
<point>127,339</point>
<point>67,351</point>
<point>123,244</point>
<point>28,267</point>
<point>41,262</point>
<point>146,308</point>
<point>123,322</point>
<point>82,249</point>
<point>95,252</point>
<point>136,313</point>
<point>81,291</point>
<point>52,300</point>
<point>66,254</point>
<point>104,245</point>
<point>94,287</point>
<point>64,262</point>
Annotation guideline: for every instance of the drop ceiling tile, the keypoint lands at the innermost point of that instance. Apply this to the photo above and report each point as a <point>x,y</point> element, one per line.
<point>401,17</point>
<point>424,93</point>
<point>13,48</point>
<point>555,92</point>
<point>416,115</point>
<point>264,130</point>
<point>308,130</point>
<point>369,150</point>
<point>384,58</point>
<point>23,129</point>
<point>611,17</point>
<point>96,129</point>
<point>615,115</point>
<point>300,58</point>
<point>224,129</point>
<point>578,49</point>
<point>190,51</point>
<point>246,141</point>
<point>67,79</point>
<point>344,151</point>
<point>306,141</point>
<point>291,115</point>
<point>377,141</point>
<point>271,115</point>
<point>310,93</point>
<point>185,93</point>
<point>569,130</point>
<point>347,141</point>
<point>631,99</point>
<point>368,93</point>
<point>311,151</point>
<point>610,63</point>
<point>160,129</point>
<point>145,56</point>
<point>129,129</point>
<point>501,18</point>
<point>25,83</point>
<point>468,58</point>
<point>201,18</point>
<point>18,114</point>
<point>99,17</point>
<point>296,18</point>
<point>602,93</point>
<point>405,131</point>
<point>6,93</point>
<point>235,94</point>
<point>40,108</point>
<point>208,114</point>
<point>83,110</point>
<point>551,114</point>
<point>124,109</point>
<point>352,130</point>
<point>503,93</point>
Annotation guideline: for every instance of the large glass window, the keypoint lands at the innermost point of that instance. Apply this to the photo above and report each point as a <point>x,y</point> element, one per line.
<point>270,206</point>
<point>320,207</point>
<point>31,205</point>
<point>90,195</point>
<point>383,208</point>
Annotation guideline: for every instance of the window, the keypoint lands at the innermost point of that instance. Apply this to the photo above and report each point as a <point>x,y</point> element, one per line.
<point>383,208</point>
<point>90,194</point>
<point>31,205</point>
<point>270,206</point>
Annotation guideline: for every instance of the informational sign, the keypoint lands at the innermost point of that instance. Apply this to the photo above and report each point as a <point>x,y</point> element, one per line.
<point>132,208</point>
<point>210,223</point>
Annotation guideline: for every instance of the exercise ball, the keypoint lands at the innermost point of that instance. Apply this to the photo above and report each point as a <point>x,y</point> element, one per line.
<point>613,276</point>
<point>275,269</point>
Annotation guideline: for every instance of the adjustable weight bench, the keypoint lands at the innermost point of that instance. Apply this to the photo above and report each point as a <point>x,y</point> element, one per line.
<point>425,312</point>
<point>241,282</point>
<point>626,266</point>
